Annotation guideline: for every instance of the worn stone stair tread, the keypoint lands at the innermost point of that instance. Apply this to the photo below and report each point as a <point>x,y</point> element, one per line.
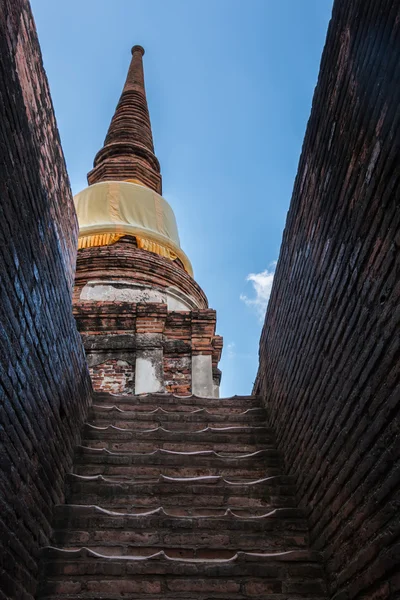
<point>237,503</point>
<point>159,430</point>
<point>106,525</point>
<point>201,492</point>
<point>222,434</point>
<point>93,461</point>
<point>280,572</point>
<point>256,433</point>
<point>228,435</point>
<point>183,544</point>
<point>171,399</point>
<point>85,455</point>
<point>239,558</point>
<point>189,511</point>
<point>171,596</point>
<point>217,481</point>
<point>175,410</point>
<point>162,452</point>
<point>198,485</point>
<point>225,513</point>
<point>109,413</point>
<point>147,472</point>
<point>216,411</point>
<point>179,408</point>
<point>150,446</point>
<point>145,425</point>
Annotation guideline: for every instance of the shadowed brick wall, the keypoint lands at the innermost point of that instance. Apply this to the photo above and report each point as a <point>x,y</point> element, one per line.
<point>329,351</point>
<point>44,383</point>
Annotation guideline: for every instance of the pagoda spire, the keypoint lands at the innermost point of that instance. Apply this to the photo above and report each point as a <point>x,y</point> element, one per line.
<point>128,151</point>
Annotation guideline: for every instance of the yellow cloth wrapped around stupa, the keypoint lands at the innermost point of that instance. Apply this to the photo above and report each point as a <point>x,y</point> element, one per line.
<point>109,210</point>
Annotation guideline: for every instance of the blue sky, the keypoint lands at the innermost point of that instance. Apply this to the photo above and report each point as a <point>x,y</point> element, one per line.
<point>229,85</point>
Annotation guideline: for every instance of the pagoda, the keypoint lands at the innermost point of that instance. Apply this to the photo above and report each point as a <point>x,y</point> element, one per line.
<point>145,322</point>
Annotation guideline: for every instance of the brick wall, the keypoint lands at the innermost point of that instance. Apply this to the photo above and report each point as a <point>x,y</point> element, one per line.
<point>113,332</point>
<point>123,261</point>
<point>329,351</point>
<point>44,384</point>
<point>114,376</point>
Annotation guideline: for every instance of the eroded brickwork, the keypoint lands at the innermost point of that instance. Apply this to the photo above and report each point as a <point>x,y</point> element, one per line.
<point>123,261</point>
<point>329,352</point>
<point>44,383</point>
<point>115,376</point>
<point>113,333</point>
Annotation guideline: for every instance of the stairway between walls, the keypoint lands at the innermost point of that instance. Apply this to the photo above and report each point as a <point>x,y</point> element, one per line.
<point>179,497</point>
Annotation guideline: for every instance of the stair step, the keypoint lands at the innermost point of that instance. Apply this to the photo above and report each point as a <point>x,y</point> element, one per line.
<point>149,471</point>
<point>156,448</point>
<point>201,492</point>
<point>201,518</point>
<point>228,434</point>
<point>130,406</point>
<point>159,415</point>
<point>97,517</point>
<point>122,531</point>
<point>147,447</point>
<point>246,575</point>
<point>254,589</point>
<point>93,461</point>
<point>201,457</point>
<point>166,400</point>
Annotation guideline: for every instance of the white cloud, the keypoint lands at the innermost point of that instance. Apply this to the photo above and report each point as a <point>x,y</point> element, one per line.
<point>262,285</point>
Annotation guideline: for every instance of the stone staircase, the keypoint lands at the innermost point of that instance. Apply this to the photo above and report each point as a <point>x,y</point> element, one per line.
<point>179,498</point>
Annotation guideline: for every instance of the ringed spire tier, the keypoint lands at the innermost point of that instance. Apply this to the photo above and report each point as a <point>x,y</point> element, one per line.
<point>128,151</point>
<point>124,193</point>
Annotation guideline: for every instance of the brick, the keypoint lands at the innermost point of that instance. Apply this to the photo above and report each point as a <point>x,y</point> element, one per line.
<point>255,589</point>
<point>124,586</point>
<point>329,349</point>
<point>45,387</point>
<point>121,326</point>
<point>208,585</point>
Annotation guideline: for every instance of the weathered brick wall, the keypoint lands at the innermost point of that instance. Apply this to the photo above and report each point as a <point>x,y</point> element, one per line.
<point>113,332</point>
<point>123,261</point>
<point>44,383</point>
<point>114,376</point>
<point>329,351</point>
<point>178,353</point>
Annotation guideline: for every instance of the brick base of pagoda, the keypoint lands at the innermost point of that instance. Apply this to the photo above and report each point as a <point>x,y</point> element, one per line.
<point>143,347</point>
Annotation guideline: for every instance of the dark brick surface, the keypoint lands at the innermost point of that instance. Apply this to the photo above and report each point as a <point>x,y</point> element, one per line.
<point>329,351</point>
<point>44,384</point>
<point>156,526</point>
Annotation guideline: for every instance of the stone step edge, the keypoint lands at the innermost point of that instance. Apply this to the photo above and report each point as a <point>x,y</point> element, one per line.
<point>164,395</point>
<point>233,429</point>
<point>201,479</point>
<point>170,595</point>
<point>159,409</point>
<point>55,553</point>
<point>283,512</point>
<point>162,451</point>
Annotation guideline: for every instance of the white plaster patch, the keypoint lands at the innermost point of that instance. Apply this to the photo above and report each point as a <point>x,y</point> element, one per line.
<point>121,292</point>
<point>202,380</point>
<point>147,380</point>
<point>174,303</point>
<point>126,291</point>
